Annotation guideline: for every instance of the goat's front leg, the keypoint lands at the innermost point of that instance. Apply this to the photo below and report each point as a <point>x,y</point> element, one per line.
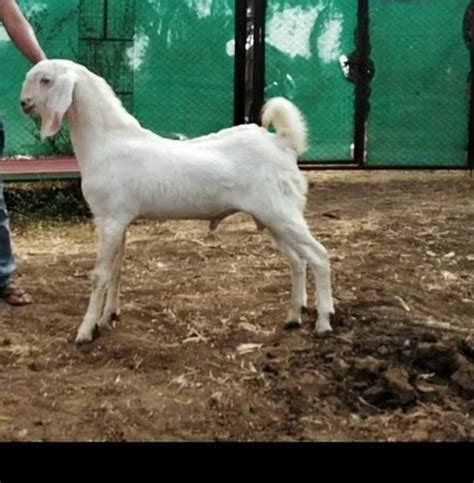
<point>112,308</point>
<point>111,236</point>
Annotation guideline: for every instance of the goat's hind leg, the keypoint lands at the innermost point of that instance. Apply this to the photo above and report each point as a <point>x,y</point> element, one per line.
<point>299,298</point>
<point>291,227</point>
<point>111,237</point>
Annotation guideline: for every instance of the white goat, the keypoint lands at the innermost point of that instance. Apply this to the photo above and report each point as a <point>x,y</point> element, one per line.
<point>129,172</point>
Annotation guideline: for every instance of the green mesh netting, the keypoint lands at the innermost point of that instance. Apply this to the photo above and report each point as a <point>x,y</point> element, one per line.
<point>419,101</point>
<point>56,25</point>
<point>170,61</point>
<point>304,41</point>
<point>185,81</point>
<point>172,64</point>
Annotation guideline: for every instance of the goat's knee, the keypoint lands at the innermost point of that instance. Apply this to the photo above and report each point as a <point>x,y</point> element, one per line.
<point>98,277</point>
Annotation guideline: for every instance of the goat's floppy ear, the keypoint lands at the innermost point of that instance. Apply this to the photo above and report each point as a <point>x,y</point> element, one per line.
<point>57,104</point>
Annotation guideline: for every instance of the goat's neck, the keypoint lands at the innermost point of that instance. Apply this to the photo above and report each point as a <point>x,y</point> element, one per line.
<point>94,114</point>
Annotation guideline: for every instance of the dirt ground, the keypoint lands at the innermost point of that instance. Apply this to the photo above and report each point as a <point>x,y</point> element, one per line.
<point>201,351</point>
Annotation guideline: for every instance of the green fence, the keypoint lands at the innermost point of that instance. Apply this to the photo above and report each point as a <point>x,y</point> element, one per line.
<point>304,41</point>
<point>172,64</point>
<point>57,27</point>
<point>419,101</point>
<point>418,95</point>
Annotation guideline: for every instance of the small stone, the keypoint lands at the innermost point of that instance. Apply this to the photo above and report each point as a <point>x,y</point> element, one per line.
<point>360,385</point>
<point>33,366</point>
<point>271,369</point>
<point>215,401</point>
<point>369,366</point>
<point>383,350</point>
<point>464,378</point>
<point>307,379</point>
<point>354,419</point>
<point>340,367</point>
<point>428,337</point>
<point>467,347</point>
<point>420,435</point>
<point>397,381</point>
<point>470,407</point>
<point>438,358</point>
<point>375,394</point>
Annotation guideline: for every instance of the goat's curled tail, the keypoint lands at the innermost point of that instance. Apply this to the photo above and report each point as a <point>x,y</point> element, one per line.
<point>288,122</point>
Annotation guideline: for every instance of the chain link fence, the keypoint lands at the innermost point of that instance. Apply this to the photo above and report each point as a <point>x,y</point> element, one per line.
<point>56,25</point>
<point>172,64</point>
<point>170,61</point>
<point>305,40</point>
<point>420,91</point>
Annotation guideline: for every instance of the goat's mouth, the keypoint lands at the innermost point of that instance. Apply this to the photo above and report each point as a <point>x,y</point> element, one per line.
<point>29,110</point>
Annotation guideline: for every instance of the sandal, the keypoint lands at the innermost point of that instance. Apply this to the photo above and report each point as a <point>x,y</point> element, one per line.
<point>15,296</point>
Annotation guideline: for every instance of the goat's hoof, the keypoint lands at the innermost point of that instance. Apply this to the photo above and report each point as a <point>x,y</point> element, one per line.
<point>323,330</point>
<point>323,326</point>
<point>84,338</point>
<point>87,336</point>
<point>293,325</point>
<point>324,335</point>
<point>304,309</point>
<point>115,317</point>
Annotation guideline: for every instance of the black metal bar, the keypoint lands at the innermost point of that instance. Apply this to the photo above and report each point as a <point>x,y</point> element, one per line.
<point>362,81</point>
<point>258,61</point>
<point>240,60</point>
<point>470,152</point>
<point>468,33</point>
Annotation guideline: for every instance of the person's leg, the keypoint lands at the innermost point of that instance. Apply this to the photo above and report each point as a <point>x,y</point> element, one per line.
<point>8,291</point>
<point>7,263</point>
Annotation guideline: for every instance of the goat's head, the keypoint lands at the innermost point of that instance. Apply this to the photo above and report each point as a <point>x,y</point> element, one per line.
<point>48,92</point>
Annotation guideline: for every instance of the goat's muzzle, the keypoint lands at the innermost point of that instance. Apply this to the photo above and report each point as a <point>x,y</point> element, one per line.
<point>27,107</point>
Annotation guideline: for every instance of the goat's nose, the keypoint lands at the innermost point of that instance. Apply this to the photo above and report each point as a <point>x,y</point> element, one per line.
<point>25,102</point>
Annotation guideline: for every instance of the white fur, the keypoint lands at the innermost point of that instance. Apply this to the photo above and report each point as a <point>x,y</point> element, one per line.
<point>129,172</point>
<point>288,122</point>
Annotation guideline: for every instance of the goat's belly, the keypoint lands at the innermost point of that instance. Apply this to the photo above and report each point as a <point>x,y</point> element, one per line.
<point>180,212</point>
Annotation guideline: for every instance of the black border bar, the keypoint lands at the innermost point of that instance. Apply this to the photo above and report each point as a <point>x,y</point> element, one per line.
<point>240,60</point>
<point>362,89</point>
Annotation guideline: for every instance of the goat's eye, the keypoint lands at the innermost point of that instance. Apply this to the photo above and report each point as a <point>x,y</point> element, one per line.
<point>45,81</point>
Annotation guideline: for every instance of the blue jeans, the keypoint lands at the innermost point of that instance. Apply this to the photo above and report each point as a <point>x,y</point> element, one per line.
<point>7,262</point>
